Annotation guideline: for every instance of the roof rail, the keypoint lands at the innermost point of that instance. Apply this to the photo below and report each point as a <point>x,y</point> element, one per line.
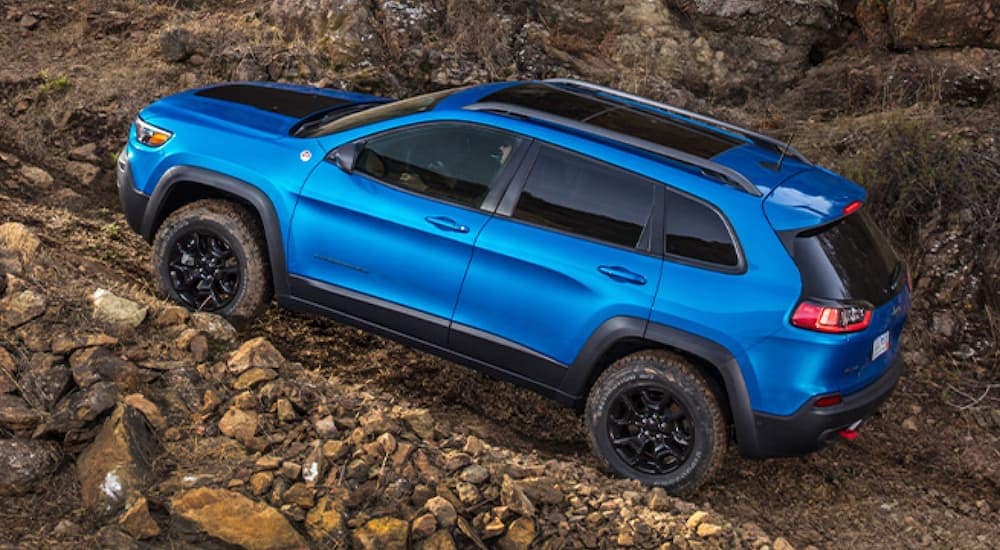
<point>725,173</point>
<point>757,136</point>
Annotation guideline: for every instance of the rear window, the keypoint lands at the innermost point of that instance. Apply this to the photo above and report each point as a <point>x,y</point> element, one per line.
<point>848,259</point>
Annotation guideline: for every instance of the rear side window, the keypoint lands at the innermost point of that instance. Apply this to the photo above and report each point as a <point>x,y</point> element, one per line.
<point>847,260</point>
<point>572,193</point>
<point>695,231</point>
<point>458,163</point>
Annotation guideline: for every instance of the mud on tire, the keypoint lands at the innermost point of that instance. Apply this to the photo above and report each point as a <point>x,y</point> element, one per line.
<point>652,417</point>
<point>234,238</point>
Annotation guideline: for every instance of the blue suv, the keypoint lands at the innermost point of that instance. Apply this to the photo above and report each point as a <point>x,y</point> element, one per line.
<point>684,282</point>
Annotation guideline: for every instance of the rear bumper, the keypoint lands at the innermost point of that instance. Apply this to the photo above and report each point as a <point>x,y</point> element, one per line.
<point>809,428</point>
<point>133,201</point>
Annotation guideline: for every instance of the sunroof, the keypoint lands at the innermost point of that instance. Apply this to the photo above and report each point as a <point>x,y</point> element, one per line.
<point>618,117</point>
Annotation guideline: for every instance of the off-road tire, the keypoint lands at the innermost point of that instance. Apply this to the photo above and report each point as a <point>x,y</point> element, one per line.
<point>683,382</point>
<point>239,227</point>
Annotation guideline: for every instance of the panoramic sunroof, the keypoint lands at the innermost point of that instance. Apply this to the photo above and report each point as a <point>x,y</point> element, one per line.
<point>618,117</point>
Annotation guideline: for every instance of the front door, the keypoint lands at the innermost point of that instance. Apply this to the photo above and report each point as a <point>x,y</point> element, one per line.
<point>390,242</point>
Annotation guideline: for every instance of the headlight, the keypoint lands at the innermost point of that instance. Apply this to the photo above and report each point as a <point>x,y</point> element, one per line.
<point>150,135</point>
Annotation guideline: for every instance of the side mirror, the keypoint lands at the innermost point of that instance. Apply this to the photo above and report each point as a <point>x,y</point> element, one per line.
<point>346,155</point>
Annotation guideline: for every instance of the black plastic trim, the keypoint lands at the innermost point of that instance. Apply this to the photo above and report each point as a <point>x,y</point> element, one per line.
<point>506,354</point>
<point>133,201</point>
<point>811,427</point>
<point>417,324</point>
<point>255,197</point>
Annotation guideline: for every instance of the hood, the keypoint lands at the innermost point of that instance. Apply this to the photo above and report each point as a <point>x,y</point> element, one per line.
<point>264,107</point>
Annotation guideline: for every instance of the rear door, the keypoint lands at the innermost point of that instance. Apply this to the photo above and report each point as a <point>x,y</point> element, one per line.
<point>390,242</point>
<point>567,250</point>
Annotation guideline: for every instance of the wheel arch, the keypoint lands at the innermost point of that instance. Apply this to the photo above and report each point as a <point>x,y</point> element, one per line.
<point>621,336</point>
<point>181,185</point>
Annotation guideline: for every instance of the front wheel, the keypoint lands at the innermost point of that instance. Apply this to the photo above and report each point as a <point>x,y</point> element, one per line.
<point>210,255</point>
<point>653,418</point>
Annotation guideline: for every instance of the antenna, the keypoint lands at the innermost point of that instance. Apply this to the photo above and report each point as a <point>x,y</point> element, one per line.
<point>784,151</point>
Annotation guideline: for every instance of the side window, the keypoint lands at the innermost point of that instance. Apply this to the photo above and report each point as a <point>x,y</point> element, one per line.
<point>454,162</point>
<point>695,231</point>
<point>571,193</point>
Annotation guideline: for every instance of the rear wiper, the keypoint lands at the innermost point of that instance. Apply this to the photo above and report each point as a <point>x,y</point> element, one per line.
<point>895,276</point>
<point>306,125</point>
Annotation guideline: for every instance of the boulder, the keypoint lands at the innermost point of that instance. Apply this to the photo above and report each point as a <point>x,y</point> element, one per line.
<point>117,311</point>
<point>935,24</point>
<point>85,153</point>
<point>18,308</point>
<point>83,173</point>
<point>118,464</point>
<point>215,326</point>
<point>24,462</point>
<point>384,533</point>
<point>36,177</point>
<point>236,519</point>
<point>255,353</point>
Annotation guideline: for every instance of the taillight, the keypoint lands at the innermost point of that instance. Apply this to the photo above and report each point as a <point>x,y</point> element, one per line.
<point>829,400</point>
<point>852,207</point>
<point>835,319</point>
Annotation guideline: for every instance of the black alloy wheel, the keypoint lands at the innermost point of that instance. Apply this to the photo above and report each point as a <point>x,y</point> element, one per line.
<point>204,271</point>
<point>650,430</point>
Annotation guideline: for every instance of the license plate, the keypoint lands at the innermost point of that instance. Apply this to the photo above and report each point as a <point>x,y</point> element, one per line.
<point>880,345</point>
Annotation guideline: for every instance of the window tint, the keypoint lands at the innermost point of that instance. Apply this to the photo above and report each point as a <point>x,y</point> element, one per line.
<point>382,112</point>
<point>695,231</point>
<point>571,193</point>
<point>847,260</point>
<point>457,163</point>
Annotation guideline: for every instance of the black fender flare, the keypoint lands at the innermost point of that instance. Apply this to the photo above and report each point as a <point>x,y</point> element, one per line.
<point>248,192</point>
<point>583,370</point>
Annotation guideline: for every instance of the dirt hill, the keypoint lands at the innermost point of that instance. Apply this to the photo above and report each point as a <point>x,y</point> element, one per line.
<point>125,421</point>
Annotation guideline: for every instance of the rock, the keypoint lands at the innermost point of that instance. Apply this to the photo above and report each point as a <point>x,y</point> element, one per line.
<point>423,526</point>
<point>215,326</point>
<point>16,415</point>
<point>171,315</point>
<point>8,372</point>
<point>659,501</point>
<point>85,153</point>
<point>258,352</point>
<point>177,45</point>
<point>82,172</point>
<point>24,462</point>
<point>326,426</point>
<point>20,307</point>
<point>325,522</point>
<point>345,26</point>
<point>254,377</point>
<point>443,511</point>
<point>137,521</point>
<point>707,529</point>
<point>781,543</point>
<point>935,24</point>
<point>286,411</point>
<point>65,344</point>
<point>335,450</point>
<point>514,498</point>
<point>28,22</point>
<point>18,238</point>
<point>36,176</point>
<point>290,470</point>
<point>314,466</point>
<point>239,424</point>
<point>236,519</point>
<point>474,474</point>
<point>494,527</point>
<point>117,311</point>
<point>440,540</point>
<point>118,464</point>
<point>300,495</point>
<point>384,533</point>
<point>421,422</point>
<point>92,365</point>
<point>468,494</point>
<point>695,519</point>
<point>93,402</point>
<point>260,483</point>
<point>66,529</point>
<point>520,534</point>
<point>149,409</point>
<point>543,489</point>
<point>910,424</point>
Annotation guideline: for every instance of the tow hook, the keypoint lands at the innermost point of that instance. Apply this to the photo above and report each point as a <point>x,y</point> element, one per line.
<point>850,433</point>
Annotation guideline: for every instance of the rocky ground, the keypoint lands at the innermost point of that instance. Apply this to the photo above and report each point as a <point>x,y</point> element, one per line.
<point>125,421</point>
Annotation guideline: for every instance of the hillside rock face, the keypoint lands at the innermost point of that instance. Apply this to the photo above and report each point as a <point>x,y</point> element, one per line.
<point>908,24</point>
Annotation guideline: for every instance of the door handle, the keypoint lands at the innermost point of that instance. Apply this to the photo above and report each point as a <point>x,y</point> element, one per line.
<point>447,224</point>
<point>622,275</point>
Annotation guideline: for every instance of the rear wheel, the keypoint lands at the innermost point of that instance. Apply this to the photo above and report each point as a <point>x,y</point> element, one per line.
<point>653,418</point>
<point>210,256</point>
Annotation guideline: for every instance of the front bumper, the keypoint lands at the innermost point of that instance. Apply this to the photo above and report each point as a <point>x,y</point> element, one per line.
<point>133,201</point>
<point>809,428</point>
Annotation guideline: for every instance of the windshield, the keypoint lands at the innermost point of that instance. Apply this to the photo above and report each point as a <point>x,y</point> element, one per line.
<point>380,113</point>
